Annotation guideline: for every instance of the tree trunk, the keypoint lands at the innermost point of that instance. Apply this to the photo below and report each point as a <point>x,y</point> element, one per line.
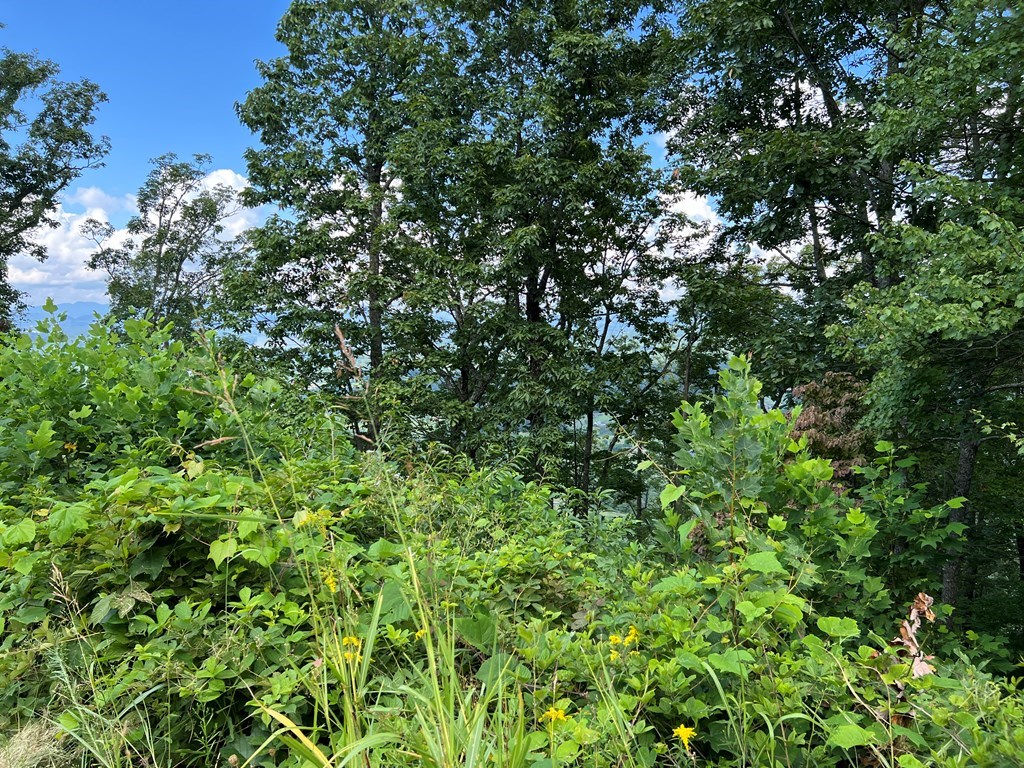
<point>375,311</point>
<point>951,571</point>
<point>588,453</point>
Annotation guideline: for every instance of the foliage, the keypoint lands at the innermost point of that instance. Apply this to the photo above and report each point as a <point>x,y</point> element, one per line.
<point>45,144</point>
<point>172,271</point>
<point>869,169</point>
<point>424,543</point>
<point>282,599</point>
<point>473,208</point>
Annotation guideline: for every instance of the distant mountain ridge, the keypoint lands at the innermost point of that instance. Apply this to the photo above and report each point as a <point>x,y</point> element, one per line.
<point>80,315</point>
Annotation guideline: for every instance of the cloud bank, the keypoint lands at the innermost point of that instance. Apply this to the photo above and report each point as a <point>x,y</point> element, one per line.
<point>63,276</point>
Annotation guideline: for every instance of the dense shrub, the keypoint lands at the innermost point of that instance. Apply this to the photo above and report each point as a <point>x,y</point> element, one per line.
<point>199,570</point>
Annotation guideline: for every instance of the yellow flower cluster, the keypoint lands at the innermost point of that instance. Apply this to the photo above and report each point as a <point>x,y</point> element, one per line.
<point>319,518</point>
<point>421,633</point>
<point>353,646</point>
<point>329,579</point>
<point>552,715</point>
<point>632,638</point>
<point>684,733</point>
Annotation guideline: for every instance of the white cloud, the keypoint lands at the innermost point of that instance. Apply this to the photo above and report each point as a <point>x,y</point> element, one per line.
<point>227,178</point>
<point>63,276</point>
<point>696,207</point>
<point>243,218</point>
<point>96,199</point>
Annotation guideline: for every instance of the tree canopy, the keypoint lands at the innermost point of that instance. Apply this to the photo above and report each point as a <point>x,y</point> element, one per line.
<point>45,144</point>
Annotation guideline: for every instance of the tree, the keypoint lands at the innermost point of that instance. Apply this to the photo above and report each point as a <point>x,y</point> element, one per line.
<point>868,159</point>
<point>771,117</point>
<point>328,116</point>
<point>45,144</point>
<point>169,266</point>
<point>468,197</point>
<point>944,334</point>
<point>527,180</point>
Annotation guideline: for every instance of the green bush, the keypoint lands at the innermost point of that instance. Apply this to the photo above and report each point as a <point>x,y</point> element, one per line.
<point>211,573</point>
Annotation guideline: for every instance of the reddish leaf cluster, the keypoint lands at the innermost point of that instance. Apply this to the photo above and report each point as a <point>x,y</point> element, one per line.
<point>832,409</point>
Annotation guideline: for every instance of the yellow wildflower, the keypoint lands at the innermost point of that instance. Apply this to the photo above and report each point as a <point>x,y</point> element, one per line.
<point>614,654</point>
<point>352,656</point>
<point>330,581</point>
<point>684,733</point>
<point>615,640</point>
<point>553,714</point>
<point>421,633</point>
<point>70,447</point>
<point>633,637</point>
<point>355,642</point>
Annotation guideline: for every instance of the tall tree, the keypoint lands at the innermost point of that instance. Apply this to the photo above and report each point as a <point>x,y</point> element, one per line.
<point>528,181</point>
<point>868,159</point>
<point>469,198</point>
<point>770,117</point>
<point>45,144</point>
<point>945,333</point>
<point>169,266</point>
<point>328,115</point>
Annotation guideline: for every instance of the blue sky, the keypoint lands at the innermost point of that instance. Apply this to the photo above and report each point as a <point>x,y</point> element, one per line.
<point>172,72</point>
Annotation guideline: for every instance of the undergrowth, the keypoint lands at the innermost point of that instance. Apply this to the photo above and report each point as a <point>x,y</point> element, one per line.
<point>200,569</point>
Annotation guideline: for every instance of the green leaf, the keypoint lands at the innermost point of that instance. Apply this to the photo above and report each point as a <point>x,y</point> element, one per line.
<point>727,662</point>
<point>383,550</point>
<point>42,441</point>
<point>66,520</point>
<point>101,610</point>
<point>222,549</point>
<point>84,412</point>
<point>671,494</point>
<point>763,562</point>
<point>567,751</point>
<point>838,627</point>
<point>393,605</point>
<point>501,666</point>
<point>479,631</point>
<point>849,736</point>
<point>23,532</point>
<point>246,528</point>
<point>749,610</point>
